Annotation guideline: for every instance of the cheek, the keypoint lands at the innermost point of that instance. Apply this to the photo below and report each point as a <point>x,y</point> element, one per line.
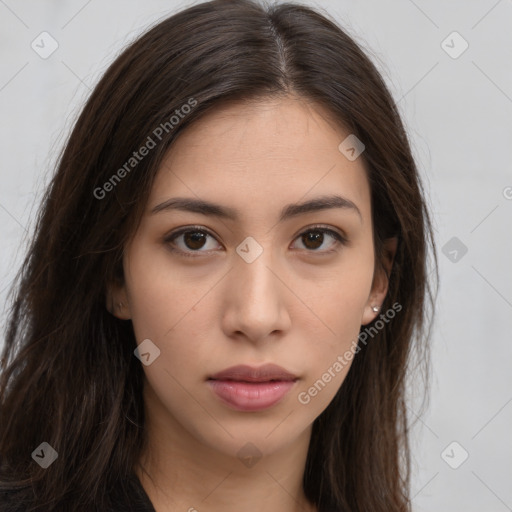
<point>172,309</point>
<point>344,297</point>
<point>340,303</point>
<point>160,297</point>
<point>162,310</point>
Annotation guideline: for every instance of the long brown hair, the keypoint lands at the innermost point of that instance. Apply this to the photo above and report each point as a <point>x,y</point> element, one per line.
<point>69,376</point>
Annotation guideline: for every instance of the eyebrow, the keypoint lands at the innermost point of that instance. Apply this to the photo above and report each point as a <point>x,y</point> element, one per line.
<point>289,211</point>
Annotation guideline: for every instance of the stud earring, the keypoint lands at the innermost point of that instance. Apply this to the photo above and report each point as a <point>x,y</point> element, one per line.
<point>375,309</point>
<point>120,305</point>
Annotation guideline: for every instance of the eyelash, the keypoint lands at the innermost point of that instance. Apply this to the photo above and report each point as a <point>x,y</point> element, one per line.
<point>169,239</point>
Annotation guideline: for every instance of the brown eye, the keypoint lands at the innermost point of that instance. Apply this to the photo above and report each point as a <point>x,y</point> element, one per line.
<point>193,240</point>
<point>314,238</point>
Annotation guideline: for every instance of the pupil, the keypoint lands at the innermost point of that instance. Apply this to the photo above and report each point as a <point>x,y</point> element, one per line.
<point>315,237</point>
<point>194,240</point>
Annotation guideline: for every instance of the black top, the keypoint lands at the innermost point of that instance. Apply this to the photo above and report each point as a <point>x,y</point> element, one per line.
<point>132,498</point>
<point>126,496</point>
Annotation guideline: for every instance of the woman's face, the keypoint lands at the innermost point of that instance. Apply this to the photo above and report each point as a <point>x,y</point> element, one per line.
<point>256,284</point>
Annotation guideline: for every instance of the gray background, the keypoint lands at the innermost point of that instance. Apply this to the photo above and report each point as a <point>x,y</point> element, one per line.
<point>457,111</point>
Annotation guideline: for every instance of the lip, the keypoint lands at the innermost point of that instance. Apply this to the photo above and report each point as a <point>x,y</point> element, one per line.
<point>246,373</point>
<point>250,396</point>
<point>245,388</point>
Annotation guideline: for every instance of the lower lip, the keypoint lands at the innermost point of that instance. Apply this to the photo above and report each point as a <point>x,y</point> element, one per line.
<point>250,396</point>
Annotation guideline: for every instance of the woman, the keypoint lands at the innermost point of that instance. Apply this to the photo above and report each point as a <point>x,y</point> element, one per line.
<point>219,305</point>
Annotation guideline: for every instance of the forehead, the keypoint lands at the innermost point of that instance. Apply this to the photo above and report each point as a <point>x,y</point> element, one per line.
<point>256,156</point>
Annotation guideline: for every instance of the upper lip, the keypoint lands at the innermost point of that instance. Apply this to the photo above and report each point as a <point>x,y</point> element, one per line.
<point>247,373</point>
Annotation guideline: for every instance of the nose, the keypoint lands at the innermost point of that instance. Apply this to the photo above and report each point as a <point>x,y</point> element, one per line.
<point>256,298</point>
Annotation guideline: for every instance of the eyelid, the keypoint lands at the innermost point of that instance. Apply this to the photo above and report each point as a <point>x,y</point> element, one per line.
<point>185,229</point>
<point>334,232</point>
<point>340,237</point>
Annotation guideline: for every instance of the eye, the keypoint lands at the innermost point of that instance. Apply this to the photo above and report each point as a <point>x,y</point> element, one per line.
<point>195,238</point>
<point>314,237</point>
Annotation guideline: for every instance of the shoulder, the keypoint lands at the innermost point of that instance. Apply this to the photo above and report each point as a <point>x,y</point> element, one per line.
<point>130,496</point>
<point>126,495</point>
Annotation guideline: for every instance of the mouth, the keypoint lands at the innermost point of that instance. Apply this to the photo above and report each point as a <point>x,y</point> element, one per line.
<point>254,381</point>
<point>245,373</point>
<point>246,388</point>
<point>250,396</point>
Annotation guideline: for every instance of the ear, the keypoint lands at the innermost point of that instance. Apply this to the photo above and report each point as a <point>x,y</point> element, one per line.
<point>380,281</point>
<point>117,302</point>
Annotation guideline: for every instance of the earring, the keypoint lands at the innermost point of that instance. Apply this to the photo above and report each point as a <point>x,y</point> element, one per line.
<point>375,309</point>
<point>120,305</point>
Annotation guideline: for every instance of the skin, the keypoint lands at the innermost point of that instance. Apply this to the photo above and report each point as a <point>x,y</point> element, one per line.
<point>296,305</point>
